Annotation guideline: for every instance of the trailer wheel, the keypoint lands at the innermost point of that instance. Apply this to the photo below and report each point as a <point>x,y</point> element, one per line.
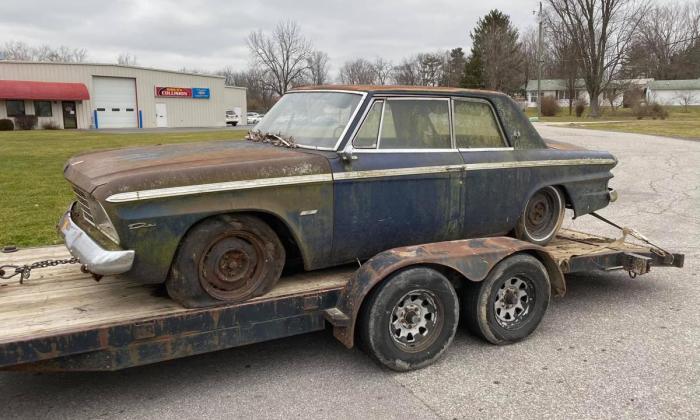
<point>228,258</point>
<point>410,319</point>
<point>542,217</point>
<point>510,303</point>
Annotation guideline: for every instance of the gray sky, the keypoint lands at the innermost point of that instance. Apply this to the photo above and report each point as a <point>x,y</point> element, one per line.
<point>210,34</point>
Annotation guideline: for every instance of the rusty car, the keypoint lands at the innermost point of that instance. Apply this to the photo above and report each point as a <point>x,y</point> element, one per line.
<point>331,175</point>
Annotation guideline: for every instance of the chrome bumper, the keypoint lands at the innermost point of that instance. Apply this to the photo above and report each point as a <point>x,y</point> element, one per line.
<point>96,259</point>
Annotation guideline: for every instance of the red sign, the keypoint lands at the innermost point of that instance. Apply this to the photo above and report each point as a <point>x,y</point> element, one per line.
<point>174,92</point>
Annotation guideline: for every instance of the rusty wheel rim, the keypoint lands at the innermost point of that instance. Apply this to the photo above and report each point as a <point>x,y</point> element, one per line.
<point>232,266</point>
<point>542,213</point>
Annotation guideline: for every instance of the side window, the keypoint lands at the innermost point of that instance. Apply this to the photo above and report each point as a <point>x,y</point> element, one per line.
<point>416,124</point>
<point>475,126</point>
<point>367,135</point>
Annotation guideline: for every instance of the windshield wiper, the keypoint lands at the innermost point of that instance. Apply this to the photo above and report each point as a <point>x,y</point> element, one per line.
<point>273,139</point>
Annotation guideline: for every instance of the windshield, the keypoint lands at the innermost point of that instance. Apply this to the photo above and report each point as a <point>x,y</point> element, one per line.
<point>314,119</point>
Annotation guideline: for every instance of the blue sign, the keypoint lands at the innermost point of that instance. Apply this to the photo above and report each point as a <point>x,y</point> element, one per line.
<point>200,93</point>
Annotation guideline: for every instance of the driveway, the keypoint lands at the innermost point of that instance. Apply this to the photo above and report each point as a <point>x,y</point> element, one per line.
<point>612,347</point>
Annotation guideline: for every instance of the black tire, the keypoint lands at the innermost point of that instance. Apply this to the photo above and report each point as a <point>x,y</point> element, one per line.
<point>234,124</point>
<point>226,259</point>
<point>418,301</point>
<point>487,305</point>
<point>542,216</point>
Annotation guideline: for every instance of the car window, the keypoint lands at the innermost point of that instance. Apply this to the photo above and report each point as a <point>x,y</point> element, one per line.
<point>415,124</point>
<point>369,132</point>
<point>475,125</point>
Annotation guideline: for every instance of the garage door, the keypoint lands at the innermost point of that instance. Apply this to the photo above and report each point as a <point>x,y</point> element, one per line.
<point>114,99</point>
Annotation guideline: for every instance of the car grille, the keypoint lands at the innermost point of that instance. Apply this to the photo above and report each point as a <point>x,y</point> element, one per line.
<point>83,207</point>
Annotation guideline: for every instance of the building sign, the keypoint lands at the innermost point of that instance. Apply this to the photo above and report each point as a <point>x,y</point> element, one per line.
<point>200,93</point>
<point>179,92</point>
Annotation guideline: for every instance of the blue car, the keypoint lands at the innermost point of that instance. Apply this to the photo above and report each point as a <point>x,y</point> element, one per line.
<point>331,175</point>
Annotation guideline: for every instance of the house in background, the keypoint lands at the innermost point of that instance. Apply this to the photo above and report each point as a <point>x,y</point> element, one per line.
<point>674,92</point>
<point>557,88</point>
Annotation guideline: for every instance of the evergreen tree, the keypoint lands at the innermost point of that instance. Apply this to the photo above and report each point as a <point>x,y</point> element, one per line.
<point>496,57</point>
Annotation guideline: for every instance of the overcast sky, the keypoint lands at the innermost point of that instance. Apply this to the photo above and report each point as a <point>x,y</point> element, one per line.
<point>211,34</point>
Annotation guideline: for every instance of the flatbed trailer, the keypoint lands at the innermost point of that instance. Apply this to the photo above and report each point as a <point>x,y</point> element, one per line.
<point>62,320</point>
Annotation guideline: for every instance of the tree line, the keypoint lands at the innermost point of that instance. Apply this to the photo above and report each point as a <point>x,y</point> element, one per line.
<point>598,41</point>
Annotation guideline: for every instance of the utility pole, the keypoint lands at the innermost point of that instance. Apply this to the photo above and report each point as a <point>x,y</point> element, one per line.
<point>539,63</point>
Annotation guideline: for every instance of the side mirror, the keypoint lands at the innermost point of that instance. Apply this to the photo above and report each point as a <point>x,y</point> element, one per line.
<point>346,155</point>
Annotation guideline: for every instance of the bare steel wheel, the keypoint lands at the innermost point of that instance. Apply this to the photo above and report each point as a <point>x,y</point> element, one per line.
<point>513,300</point>
<point>228,258</point>
<point>231,268</point>
<point>542,216</point>
<point>409,320</point>
<point>510,302</point>
<point>415,320</point>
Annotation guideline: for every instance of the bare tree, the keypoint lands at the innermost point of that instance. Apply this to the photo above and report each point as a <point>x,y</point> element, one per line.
<point>21,51</point>
<point>259,96</point>
<point>406,73</point>
<point>382,70</point>
<point>431,68</point>
<point>601,32</point>
<point>282,56</point>
<point>686,99</point>
<point>665,33</point>
<point>317,63</point>
<point>357,72</point>
<point>126,59</point>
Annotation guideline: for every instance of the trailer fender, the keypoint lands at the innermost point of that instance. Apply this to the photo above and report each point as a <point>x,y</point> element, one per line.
<point>472,258</point>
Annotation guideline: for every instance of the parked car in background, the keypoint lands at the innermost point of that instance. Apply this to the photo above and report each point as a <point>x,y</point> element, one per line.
<point>253,118</point>
<point>232,118</point>
<point>332,175</point>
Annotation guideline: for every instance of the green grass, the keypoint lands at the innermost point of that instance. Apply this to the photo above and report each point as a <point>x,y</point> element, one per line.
<point>33,193</point>
<point>680,123</point>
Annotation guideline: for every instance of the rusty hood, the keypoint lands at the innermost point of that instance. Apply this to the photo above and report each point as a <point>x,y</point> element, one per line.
<point>109,172</point>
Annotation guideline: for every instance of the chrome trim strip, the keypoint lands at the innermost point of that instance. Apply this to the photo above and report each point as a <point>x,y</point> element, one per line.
<point>218,186</point>
<point>318,178</point>
<point>380,173</point>
<point>486,149</point>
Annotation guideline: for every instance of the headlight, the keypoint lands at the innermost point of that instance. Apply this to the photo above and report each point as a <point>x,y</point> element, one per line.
<point>103,223</point>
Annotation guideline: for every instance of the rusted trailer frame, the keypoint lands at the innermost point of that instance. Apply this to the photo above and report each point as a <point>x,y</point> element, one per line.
<point>62,321</point>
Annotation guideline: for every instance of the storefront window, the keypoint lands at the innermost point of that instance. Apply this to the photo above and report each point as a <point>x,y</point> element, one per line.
<point>14,108</point>
<point>42,109</point>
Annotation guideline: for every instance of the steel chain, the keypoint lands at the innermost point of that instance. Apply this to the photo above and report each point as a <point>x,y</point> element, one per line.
<point>24,271</point>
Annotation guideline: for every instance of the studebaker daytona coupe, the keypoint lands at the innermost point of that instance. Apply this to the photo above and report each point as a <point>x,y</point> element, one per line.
<point>331,175</point>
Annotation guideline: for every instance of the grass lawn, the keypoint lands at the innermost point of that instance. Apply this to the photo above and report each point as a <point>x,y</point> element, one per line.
<point>680,123</point>
<point>33,192</point>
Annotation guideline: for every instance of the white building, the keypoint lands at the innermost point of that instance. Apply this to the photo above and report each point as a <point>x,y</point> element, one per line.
<point>557,88</point>
<point>81,95</point>
<point>674,92</point>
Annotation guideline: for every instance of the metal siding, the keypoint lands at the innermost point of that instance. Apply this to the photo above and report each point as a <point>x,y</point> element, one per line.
<point>182,112</point>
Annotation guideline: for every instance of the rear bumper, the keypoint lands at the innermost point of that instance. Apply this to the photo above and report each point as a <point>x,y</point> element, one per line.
<point>96,259</point>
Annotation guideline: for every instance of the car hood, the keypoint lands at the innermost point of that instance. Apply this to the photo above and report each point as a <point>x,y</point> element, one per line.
<point>110,172</point>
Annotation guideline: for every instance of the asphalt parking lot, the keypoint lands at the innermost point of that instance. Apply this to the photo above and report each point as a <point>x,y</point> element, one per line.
<point>613,347</point>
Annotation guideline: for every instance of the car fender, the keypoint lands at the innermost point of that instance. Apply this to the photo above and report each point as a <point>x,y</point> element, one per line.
<point>473,259</point>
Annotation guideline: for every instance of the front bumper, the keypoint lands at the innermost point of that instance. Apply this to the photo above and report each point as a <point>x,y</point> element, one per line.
<point>95,258</point>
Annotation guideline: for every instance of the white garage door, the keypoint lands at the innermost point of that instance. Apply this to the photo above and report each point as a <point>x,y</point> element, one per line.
<point>114,99</point>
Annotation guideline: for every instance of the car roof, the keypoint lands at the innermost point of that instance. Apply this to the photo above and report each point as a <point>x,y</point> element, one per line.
<point>399,89</point>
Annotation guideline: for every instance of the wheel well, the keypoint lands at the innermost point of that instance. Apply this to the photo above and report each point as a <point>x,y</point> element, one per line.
<point>567,198</point>
<point>294,260</point>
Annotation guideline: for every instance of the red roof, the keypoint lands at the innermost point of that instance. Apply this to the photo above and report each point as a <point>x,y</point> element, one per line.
<point>23,89</point>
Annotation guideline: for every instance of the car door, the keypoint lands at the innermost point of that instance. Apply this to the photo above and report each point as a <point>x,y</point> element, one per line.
<point>492,180</point>
<point>400,181</point>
